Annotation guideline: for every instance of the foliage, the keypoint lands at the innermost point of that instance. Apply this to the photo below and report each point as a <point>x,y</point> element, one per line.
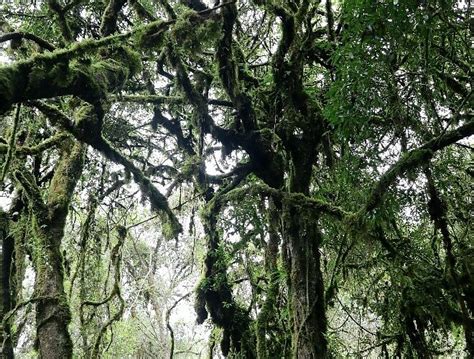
<point>307,168</point>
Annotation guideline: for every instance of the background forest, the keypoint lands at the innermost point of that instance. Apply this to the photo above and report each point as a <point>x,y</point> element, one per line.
<point>242,179</point>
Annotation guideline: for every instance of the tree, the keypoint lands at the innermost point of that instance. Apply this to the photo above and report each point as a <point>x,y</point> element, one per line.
<point>342,131</point>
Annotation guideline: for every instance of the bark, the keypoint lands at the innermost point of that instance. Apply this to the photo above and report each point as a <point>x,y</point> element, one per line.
<point>53,315</point>
<point>51,75</point>
<point>306,286</point>
<point>302,240</point>
<point>214,296</point>
<point>437,209</point>
<point>416,336</point>
<point>268,311</point>
<point>6,255</point>
<point>49,219</point>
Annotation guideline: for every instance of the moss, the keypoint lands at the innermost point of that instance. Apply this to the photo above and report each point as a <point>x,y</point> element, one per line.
<point>409,162</point>
<point>133,60</point>
<point>7,86</point>
<point>200,302</point>
<point>68,72</point>
<point>192,32</point>
<point>151,37</point>
<point>169,228</point>
<point>67,172</point>
<point>191,166</point>
<point>12,83</point>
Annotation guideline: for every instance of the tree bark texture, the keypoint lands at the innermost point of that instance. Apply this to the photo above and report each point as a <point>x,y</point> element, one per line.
<point>6,255</point>
<point>52,310</point>
<point>302,241</point>
<point>306,287</point>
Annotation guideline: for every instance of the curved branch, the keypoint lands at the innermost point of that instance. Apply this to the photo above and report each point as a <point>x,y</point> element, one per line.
<point>32,191</point>
<point>294,198</point>
<point>168,325</point>
<point>37,77</point>
<point>26,35</point>
<point>413,159</point>
<point>34,150</point>
<point>109,19</point>
<point>158,201</point>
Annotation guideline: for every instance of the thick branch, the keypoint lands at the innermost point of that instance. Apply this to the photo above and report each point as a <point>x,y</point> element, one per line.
<point>229,73</point>
<point>158,99</point>
<point>413,159</point>
<point>37,149</point>
<point>60,15</point>
<point>109,19</point>
<point>26,35</point>
<point>32,191</point>
<point>294,198</point>
<point>53,74</point>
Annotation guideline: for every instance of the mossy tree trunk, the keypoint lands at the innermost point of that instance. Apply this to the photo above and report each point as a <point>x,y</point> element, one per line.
<point>302,241</point>
<point>306,288</point>
<point>214,294</point>
<point>6,255</point>
<point>49,219</point>
<point>268,345</point>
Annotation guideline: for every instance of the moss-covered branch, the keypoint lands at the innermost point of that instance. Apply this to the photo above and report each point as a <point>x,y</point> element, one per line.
<point>69,72</point>
<point>88,133</point>
<point>414,159</point>
<point>295,199</point>
<point>229,71</point>
<point>60,16</point>
<point>63,73</point>
<point>11,144</point>
<point>37,149</point>
<point>109,18</point>
<point>32,191</point>
<point>158,99</point>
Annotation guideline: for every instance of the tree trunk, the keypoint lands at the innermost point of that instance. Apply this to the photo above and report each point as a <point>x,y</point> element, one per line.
<point>52,311</point>
<point>52,314</point>
<point>301,241</point>
<point>6,253</point>
<point>306,288</point>
<point>267,346</point>
<point>48,222</point>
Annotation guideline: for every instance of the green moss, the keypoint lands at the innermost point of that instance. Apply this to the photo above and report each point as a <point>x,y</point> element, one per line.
<point>12,81</point>
<point>192,32</point>
<point>169,228</point>
<point>200,302</point>
<point>151,37</point>
<point>67,173</point>
<point>190,166</point>
<point>7,78</point>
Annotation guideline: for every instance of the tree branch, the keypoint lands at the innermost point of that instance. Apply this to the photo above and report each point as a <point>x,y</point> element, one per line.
<point>109,19</point>
<point>37,149</point>
<point>26,35</point>
<point>413,159</point>
<point>158,201</point>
